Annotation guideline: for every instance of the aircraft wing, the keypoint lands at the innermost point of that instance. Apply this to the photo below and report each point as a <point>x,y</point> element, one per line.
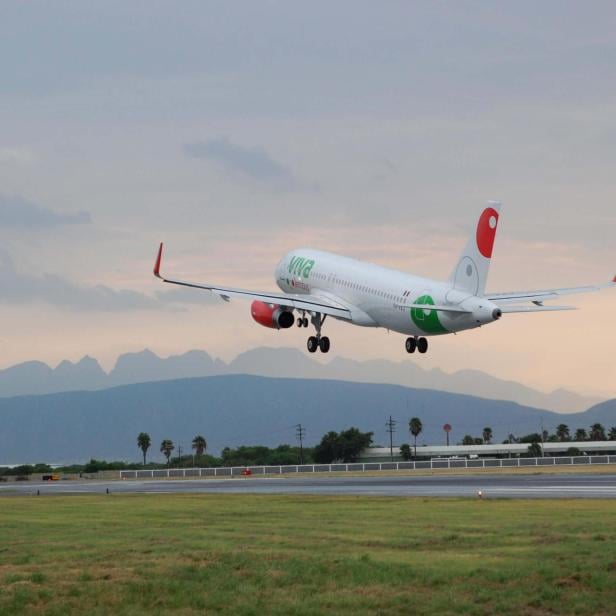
<point>310,303</point>
<point>538,297</point>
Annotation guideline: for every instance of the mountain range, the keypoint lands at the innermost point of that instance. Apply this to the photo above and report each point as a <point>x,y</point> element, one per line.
<point>35,377</point>
<point>231,410</point>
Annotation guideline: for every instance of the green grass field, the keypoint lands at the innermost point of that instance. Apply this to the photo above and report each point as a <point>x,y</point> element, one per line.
<point>305,555</point>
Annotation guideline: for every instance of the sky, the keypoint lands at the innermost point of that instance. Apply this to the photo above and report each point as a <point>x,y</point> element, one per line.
<point>238,131</point>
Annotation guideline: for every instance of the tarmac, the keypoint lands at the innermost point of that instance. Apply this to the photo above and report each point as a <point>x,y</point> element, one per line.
<point>489,485</point>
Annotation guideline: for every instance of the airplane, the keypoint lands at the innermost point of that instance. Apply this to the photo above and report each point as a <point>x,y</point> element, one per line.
<point>319,284</point>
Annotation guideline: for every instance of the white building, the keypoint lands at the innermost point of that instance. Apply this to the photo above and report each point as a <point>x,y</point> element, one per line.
<point>374,454</point>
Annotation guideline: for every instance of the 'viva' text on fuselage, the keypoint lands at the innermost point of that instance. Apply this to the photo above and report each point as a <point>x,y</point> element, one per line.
<point>300,266</point>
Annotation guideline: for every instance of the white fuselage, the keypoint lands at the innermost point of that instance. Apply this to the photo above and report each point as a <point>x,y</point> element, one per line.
<point>382,297</point>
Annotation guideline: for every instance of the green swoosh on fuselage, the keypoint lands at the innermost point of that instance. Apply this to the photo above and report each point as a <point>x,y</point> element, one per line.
<point>427,321</point>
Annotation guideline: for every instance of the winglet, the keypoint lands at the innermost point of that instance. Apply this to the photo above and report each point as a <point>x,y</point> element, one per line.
<point>158,260</point>
<point>614,280</point>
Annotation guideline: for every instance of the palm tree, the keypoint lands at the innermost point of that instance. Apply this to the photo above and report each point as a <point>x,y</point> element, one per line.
<point>143,442</point>
<point>580,435</point>
<point>167,447</point>
<point>415,427</point>
<point>487,434</point>
<point>199,444</point>
<point>597,432</point>
<point>562,432</point>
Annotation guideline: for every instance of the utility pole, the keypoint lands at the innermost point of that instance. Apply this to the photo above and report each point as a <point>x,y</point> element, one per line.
<point>179,455</point>
<point>391,428</point>
<point>300,432</point>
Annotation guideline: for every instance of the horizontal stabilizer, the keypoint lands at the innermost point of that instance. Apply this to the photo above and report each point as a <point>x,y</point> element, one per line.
<point>438,308</point>
<point>511,308</point>
<point>544,294</point>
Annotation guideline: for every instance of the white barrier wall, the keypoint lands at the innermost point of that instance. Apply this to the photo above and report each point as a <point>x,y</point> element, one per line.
<point>238,471</point>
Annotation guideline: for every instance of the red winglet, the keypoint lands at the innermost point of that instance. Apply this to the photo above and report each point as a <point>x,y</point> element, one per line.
<point>158,260</point>
<point>614,279</point>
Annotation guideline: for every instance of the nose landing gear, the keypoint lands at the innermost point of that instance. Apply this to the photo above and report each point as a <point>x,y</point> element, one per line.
<point>317,342</point>
<point>421,344</point>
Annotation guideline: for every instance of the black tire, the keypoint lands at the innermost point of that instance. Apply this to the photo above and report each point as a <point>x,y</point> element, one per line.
<point>422,345</point>
<point>324,344</point>
<point>411,345</point>
<point>305,321</point>
<point>300,322</point>
<point>312,344</point>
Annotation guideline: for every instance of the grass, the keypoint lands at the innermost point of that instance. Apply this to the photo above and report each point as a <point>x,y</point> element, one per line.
<point>249,554</point>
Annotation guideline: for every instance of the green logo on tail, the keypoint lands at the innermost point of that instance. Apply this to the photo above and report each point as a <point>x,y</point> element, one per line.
<point>427,320</point>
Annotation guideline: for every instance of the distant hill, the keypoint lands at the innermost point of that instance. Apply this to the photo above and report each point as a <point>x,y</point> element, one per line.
<point>37,378</point>
<point>231,410</point>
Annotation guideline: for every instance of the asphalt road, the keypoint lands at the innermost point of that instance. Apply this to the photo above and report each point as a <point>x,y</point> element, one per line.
<point>491,486</point>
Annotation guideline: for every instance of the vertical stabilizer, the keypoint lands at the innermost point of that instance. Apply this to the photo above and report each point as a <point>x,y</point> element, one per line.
<point>471,271</point>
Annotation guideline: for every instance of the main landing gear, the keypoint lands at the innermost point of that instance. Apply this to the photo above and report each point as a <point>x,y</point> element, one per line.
<point>421,344</point>
<point>318,341</point>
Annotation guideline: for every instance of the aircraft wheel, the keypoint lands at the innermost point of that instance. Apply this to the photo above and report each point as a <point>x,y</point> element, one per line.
<point>312,344</point>
<point>411,345</point>
<point>300,322</point>
<point>422,345</point>
<point>324,344</point>
<point>305,321</point>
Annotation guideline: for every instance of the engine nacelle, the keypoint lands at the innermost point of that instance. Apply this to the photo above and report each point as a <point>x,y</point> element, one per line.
<point>271,315</point>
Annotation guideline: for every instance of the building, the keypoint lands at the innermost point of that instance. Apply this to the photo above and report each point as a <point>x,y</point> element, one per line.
<point>382,454</point>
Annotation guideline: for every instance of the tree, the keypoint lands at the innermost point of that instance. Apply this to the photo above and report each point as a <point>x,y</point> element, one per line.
<point>534,450</point>
<point>545,435</point>
<point>580,435</point>
<point>597,432</point>
<point>415,428</point>
<point>199,444</point>
<point>562,432</point>
<point>533,437</point>
<point>258,455</point>
<point>487,434</point>
<point>328,449</point>
<point>612,434</point>
<point>468,440</point>
<point>345,446</point>
<point>353,442</point>
<point>143,442</point>
<point>166,448</point>
<point>405,452</point>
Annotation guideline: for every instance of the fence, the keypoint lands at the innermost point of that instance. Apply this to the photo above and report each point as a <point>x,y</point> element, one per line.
<point>236,471</point>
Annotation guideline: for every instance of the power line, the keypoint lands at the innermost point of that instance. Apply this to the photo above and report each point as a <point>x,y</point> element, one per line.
<point>300,432</point>
<point>391,428</point>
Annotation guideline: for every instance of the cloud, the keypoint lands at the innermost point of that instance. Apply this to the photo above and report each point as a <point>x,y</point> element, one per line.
<point>17,156</point>
<point>252,162</point>
<point>181,295</point>
<point>17,212</point>
<point>22,288</point>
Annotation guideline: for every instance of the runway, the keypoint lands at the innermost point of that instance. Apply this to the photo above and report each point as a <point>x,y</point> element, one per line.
<point>491,486</point>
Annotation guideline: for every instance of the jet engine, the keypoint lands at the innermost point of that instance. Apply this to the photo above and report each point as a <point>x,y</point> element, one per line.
<point>271,315</point>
